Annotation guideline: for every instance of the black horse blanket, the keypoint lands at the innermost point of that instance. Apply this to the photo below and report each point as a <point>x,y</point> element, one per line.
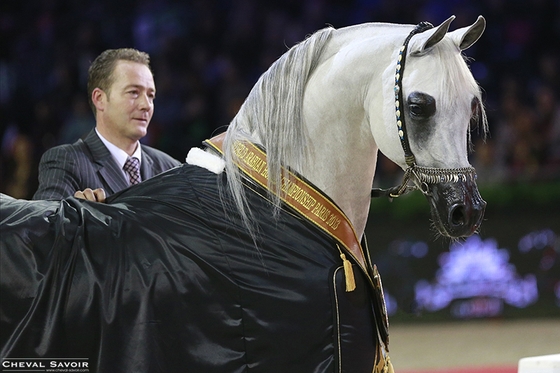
<point>165,278</point>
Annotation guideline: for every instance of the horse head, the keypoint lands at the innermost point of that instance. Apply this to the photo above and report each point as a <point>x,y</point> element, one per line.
<point>436,99</point>
<point>339,109</point>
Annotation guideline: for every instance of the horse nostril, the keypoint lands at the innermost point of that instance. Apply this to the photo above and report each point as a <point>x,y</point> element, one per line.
<point>458,215</point>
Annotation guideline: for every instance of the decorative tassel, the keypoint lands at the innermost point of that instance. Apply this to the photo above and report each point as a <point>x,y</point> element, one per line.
<point>389,366</point>
<point>348,273</point>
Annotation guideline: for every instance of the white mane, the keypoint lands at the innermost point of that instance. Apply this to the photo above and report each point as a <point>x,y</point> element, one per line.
<point>272,116</point>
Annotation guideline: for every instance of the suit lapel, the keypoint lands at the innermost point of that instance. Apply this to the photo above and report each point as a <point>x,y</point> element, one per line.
<point>146,167</point>
<point>107,169</point>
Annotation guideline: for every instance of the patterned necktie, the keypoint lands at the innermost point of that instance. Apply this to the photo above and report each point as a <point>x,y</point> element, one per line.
<point>132,168</point>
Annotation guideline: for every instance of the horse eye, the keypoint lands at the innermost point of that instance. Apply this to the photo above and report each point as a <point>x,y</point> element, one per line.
<point>421,105</point>
<point>416,110</point>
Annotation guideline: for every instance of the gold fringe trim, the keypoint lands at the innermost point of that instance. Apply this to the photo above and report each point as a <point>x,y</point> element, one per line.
<point>348,272</point>
<point>382,361</point>
<point>388,366</point>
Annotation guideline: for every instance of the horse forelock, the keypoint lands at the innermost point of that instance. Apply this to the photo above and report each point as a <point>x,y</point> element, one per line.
<point>272,116</point>
<point>456,84</point>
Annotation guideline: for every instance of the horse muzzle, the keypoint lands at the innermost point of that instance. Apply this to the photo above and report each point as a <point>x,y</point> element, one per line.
<point>457,208</point>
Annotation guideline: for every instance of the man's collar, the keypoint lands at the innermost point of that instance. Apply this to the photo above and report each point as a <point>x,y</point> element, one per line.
<point>119,154</point>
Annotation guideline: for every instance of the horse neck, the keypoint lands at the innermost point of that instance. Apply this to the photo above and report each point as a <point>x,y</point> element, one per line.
<point>344,168</point>
<point>342,150</point>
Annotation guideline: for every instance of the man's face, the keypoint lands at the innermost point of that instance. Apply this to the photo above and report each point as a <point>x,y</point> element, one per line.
<point>130,100</point>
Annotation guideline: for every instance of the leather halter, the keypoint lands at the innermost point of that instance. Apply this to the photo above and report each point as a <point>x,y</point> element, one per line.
<point>420,176</point>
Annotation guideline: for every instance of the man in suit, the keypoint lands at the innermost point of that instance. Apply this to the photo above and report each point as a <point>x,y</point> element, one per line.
<point>121,93</point>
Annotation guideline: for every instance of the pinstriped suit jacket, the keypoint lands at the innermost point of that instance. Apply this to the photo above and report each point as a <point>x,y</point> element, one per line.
<point>88,163</point>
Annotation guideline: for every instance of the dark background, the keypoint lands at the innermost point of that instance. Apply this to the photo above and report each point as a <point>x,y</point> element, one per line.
<point>207,54</point>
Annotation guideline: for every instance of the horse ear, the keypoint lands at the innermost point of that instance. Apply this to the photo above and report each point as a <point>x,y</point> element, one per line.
<point>465,37</point>
<point>424,41</point>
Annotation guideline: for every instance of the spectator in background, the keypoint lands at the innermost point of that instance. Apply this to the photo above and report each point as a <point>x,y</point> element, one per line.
<point>121,92</point>
<point>18,163</point>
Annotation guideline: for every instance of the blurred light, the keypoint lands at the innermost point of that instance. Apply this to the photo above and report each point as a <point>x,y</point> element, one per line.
<point>479,274</point>
<point>419,249</point>
<point>537,240</point>
<point>477,307</point>
<point>390,303</point>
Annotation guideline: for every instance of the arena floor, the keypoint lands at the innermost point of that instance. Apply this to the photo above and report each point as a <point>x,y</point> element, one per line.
<point>471,346</point>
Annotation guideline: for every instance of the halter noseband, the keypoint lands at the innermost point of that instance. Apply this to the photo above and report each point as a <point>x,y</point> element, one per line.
<point>420,176</point>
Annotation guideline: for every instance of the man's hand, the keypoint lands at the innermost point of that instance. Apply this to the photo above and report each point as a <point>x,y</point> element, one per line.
<point>96,195</point>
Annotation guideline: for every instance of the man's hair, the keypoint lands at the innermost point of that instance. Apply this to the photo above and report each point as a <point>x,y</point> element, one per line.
<point>100,73</point>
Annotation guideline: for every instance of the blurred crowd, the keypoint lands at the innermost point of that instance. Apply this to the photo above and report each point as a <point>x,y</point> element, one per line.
<point>207,54</point>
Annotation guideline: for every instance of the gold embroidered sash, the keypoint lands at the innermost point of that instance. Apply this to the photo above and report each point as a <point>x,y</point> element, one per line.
<point>298,194</point>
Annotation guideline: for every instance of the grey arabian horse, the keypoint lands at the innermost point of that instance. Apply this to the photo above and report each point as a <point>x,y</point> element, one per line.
<point>249,257</point>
